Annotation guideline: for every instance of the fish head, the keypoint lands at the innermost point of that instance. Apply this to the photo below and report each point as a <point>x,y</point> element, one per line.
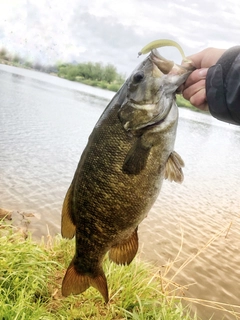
<point>151,90</point>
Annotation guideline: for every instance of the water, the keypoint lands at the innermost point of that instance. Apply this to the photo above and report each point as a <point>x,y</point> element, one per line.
<point>44,126</point>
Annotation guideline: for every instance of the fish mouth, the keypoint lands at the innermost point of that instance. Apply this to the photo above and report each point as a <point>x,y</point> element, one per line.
<point>172,76</point>
<point>169,67</point>
<point>163,64</point>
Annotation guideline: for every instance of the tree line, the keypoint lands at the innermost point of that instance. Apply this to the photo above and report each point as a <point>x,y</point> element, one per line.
<point>18,61</point>
<point>94,74</point>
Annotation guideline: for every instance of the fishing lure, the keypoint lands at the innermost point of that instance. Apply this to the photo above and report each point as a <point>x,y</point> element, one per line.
<point>162,43</point>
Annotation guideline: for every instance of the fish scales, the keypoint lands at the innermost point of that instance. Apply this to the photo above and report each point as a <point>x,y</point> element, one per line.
<point>103,186</point>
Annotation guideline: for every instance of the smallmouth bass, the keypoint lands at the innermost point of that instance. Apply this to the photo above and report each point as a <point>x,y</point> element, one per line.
<point>120,173</point>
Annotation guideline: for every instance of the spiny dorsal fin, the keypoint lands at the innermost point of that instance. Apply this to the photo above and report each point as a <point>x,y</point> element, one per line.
<point>68,229</point>
<point>125,252</point>
<point>76,283</point>
<point>173,169</point>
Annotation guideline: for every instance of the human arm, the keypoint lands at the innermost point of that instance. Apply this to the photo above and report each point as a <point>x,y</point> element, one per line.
<point>215,84</point>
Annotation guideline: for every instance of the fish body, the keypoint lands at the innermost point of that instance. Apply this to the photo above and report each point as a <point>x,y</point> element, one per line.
<point>129,153</point>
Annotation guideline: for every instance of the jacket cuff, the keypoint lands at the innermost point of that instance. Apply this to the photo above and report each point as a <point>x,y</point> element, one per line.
<point>223,87</point>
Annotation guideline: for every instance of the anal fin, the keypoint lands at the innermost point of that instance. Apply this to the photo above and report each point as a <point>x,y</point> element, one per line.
<point>68,229</point>
<point>173,168</point>
<point>76,283</point>
<point>125,252</point>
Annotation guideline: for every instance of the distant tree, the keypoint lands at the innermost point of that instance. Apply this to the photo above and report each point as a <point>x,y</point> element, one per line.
<point>50,69</point>
<point>3,53</point>
<point>110,73</point>
<point>62,70</point>
<point>27,64</point>
<point>16,58</point>
<point>38,66</point>
<point>72,72</point>
<point>95,74</point>
<point>90,70</point>
<point>97,71</point>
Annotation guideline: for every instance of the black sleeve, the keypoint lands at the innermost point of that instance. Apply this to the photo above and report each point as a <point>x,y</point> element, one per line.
<point>223,87</point>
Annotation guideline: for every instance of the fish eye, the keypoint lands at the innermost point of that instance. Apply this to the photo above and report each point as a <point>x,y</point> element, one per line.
<point>138,77</point>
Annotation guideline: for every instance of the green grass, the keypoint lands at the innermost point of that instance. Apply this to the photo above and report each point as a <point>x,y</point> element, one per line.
<point>181,102</point>
<point>31,276</point>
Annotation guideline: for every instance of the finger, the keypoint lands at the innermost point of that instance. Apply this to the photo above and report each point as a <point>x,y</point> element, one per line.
<point>206,58</point>
<point>197,59</point>
<point>193,89</point>
<point>199,100</point>
<point>195,77</point>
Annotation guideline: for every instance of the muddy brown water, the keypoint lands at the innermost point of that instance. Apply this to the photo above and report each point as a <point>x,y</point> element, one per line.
<point>44,125</point>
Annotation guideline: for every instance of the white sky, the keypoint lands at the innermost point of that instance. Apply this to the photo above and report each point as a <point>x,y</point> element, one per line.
<point>113,31</point>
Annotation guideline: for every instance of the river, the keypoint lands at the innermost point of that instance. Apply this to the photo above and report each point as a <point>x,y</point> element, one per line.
<point>45,122</point>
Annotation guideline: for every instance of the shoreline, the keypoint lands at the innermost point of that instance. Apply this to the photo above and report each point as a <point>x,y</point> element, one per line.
<point>181,102</point>
<point>24,222</point>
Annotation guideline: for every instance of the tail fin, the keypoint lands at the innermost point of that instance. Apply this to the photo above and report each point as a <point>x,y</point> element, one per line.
<point>75,282</point>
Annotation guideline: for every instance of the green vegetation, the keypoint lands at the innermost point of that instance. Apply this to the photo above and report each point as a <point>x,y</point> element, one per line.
<point>181,102</point>
<point>17,61</point>
<point>94,74</point>
<point>30,285</point>
<point>105,77</point>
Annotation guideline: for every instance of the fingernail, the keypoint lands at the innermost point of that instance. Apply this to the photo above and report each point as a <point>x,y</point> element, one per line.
<point>203,72</point>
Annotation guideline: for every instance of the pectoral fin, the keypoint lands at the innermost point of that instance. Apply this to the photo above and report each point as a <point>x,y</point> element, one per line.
<point>173,169</point>
<point>125,252</point>
<point>76,283</point>
<point>136,159</point>
<point>68,229</point>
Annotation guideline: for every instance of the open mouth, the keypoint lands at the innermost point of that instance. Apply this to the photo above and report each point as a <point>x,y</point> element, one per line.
<point>155,53</point>
<point>163,64</point>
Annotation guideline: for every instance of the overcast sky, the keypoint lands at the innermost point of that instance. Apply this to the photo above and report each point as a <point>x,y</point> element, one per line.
<point>113,31</point>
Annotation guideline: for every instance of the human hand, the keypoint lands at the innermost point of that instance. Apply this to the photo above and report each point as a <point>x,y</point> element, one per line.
<point>194,88</point>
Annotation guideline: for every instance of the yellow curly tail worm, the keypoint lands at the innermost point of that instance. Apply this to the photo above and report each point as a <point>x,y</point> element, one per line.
<point>162,43</point>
